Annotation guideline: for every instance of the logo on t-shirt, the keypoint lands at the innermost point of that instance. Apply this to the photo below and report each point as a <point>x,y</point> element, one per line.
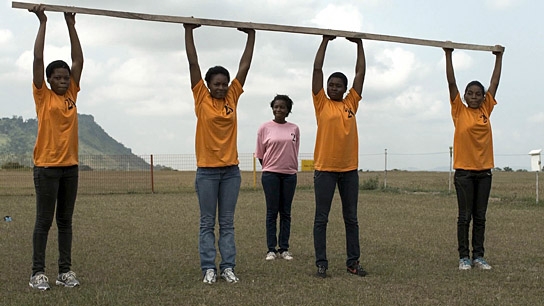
<point>294,137</point>
<point>484,118</point>
<point>349,111</point>
<point>228,109</point>
<point>69,103</point>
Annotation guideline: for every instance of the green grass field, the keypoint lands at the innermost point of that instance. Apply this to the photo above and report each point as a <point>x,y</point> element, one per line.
<point>142,249</point>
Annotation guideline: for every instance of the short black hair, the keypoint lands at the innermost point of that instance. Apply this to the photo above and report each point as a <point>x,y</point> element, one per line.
<point>216,70</point>
<point>341,76</point>
<point>477,83</point>
<point>55,65</point>
<point>288,102</point>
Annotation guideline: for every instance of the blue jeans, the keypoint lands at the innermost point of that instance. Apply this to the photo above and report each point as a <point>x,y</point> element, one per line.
<point>472,188</point>
<point>217,190</point>
<point>54,185</point>
<point>279,190</point>
<point>324,186</point>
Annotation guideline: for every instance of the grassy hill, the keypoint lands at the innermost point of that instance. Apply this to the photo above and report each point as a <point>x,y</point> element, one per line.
<point>18,136</point>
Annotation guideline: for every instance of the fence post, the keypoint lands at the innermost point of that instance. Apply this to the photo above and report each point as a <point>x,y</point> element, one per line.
<point>449,176</point>
<point>152,177</point>
<point>385,171</point>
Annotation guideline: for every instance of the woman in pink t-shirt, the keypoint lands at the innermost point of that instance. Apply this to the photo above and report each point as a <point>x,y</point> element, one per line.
<point>278,142</point>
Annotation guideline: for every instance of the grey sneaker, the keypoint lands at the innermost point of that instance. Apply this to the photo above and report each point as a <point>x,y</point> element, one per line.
<point>321,271</point>
<point>480,263</point>
<point>229,276</point>
<point>39,281</point>
<point>209,277</point>
<point>465,264</point>
<point>67,279</point>
<point>286,255</point>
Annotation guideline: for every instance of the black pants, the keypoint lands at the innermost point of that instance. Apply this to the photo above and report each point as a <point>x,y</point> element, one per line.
<point>348,187</point>
<point>54,185</point>
<point>473,188</point>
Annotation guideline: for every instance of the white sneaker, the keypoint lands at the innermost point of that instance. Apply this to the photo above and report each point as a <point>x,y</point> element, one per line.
<point>465,264</point>
<point>229,276</point>
<point>271,256</point>
<point>286,255</point>
<point>480,263</point>
<point>209,277</point>
<point>39,281</point>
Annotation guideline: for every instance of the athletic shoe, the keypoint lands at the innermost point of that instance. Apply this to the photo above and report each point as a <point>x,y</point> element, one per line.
<point>271,256</point>
<point>39,281</point>
<point>286,255</point>
<point>229,276</point>
<point>356,269</point>
<point>480,263</point>
<point>465,264</point>
<point>321,271</point>
<point>67,279</point>
<point>210,276</point>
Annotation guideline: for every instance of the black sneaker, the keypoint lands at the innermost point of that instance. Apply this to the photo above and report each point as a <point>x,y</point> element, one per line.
<point>356,269</point>
<point>321,271</point>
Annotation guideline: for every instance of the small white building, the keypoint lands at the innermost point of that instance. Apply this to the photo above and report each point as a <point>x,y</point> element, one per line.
<point>535,160</point>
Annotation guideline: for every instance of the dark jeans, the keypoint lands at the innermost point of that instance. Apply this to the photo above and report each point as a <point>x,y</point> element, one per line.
<point>279,190</point>
<point>54,185</point>
<point>324,187</point>
<point>473,188</point>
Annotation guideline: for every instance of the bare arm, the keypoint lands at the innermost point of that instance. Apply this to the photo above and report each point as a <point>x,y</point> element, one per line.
<point>190,49</point>
<point>360,67</point>
<point>247,56</point>
<point>496,76</point>
<point>37,65</point>
<point>76,51</point>
<point>317,76</point>
<point>450,76</point>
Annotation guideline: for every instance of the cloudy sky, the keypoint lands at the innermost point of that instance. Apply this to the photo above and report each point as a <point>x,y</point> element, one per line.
<point>135,80</point>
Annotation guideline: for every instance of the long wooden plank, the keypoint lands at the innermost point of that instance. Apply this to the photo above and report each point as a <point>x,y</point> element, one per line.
<point>259,26</point>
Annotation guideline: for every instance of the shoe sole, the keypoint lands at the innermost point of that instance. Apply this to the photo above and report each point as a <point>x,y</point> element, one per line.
<point>41,289</point>
<point>65,285</point>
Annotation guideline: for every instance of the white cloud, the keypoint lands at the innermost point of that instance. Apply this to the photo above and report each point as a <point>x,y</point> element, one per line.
<point>390,68</point>
<point>502,4</point>
<point>5,36</point>
<point>339,17</point>
<point>537,118</point>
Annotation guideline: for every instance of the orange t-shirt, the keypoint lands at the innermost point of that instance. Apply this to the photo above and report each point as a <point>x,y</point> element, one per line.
<point>57,139</point>
<point>216,126</point>
<point>473,139</point>
<point>337,142</point>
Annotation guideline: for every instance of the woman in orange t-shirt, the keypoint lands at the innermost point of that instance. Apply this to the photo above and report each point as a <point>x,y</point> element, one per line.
<point>55,153</point>
<point>336,155</point>
<point>472,159</point>
<point>218,179</point>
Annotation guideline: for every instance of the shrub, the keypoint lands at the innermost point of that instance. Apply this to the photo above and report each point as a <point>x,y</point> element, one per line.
<point>370,184</point>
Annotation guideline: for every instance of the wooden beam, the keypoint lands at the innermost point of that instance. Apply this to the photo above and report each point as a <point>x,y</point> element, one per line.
<point>260,26</point>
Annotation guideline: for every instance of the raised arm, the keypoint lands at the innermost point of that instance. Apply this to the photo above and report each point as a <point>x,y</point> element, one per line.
<point>37,65</point>
<point>317,75</point>
<point>76,51</point>
<point>496,76</point>
<point>245,61</point>
<point>450,76</point>
<point>190,49</point>
<point>360,66</point>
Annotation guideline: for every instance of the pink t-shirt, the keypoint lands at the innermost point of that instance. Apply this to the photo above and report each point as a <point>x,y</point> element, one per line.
<point>277,146</point>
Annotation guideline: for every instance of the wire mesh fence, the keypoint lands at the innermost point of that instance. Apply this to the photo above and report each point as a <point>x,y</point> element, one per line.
<point>167,173</point>
<point>105,174</point>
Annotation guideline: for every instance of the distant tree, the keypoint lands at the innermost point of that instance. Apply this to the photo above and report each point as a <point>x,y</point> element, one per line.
<point>521,170</point>
<point>508,169</point>
<point>498,169</point>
